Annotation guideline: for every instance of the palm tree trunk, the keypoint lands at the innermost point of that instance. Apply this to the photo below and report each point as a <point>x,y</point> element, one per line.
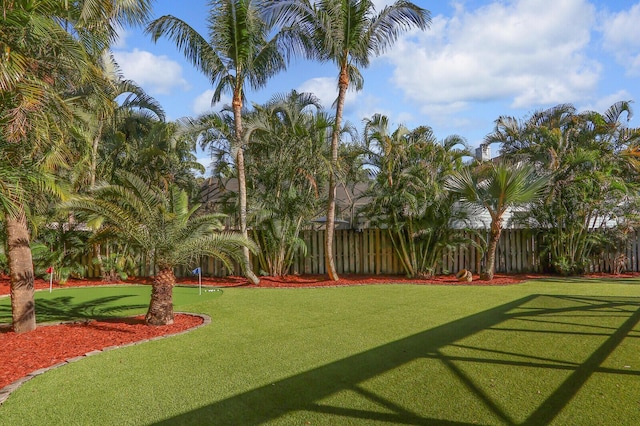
<point>494,237</point>
<point>343,85</point>
<point>21,270</point>
<point>330,264</point>
<point>242,185</point>
<point>161,306</point>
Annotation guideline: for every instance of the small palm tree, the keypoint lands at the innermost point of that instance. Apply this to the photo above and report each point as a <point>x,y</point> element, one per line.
<point>496,188</point>
<point>165,228</point>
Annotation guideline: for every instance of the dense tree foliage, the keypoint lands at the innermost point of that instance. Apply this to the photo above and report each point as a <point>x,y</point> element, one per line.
<point>592,190</point>
<point>49,49</point>
<point>286,174</point>
<point>350,34</point>
<point>71,125</point>
<point>408,196</point>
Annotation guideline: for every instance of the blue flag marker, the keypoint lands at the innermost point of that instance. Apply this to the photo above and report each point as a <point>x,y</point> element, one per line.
<point>198,272</point>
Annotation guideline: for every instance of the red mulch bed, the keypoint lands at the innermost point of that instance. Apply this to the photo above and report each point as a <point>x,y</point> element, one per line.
<point>50,345</point>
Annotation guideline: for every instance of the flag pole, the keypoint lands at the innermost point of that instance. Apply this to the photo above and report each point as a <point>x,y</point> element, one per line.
<point>50,279</point>
<point>198,271</point>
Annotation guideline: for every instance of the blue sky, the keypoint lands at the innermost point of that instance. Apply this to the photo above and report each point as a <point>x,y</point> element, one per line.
<point>479,60</point>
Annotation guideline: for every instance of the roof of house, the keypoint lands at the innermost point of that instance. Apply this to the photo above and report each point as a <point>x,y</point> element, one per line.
<point>214,189</point>
<point>349,198</point>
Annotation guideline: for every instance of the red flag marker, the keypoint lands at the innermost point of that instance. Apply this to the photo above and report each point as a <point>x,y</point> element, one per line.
<point>50,272</point>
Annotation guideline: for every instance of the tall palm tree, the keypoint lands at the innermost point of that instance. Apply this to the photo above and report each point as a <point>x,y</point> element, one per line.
<point>348,33</point>
<point>48,50</point>
<point>166,229</point>
<point>495,188</point>
<point>238,53</point>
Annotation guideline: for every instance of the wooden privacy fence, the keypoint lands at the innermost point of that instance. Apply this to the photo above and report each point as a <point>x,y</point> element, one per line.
<point>370,251</point>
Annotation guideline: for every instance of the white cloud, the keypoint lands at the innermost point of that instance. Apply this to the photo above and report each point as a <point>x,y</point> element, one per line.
<point>326,89</point>
<point>381,4</point>
<point>206,161</point>
<point>202,104</point>
<point>602,104</point>
<point>522,51</point>
<point>366,106</point>
<point>121,38</point>
<point>621,36</point>
<point>156,74</point>
<point>404,117</point>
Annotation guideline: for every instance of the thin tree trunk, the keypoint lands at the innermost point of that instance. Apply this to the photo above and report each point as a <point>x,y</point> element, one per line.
<point>494,237</point>
<point>93,171</point>
<point>330,264</point>
<point>100,264</point>
<point>161,306</point>
<point>21,270</point>
<point>95,144</point>
<point>343,85</point>
<point>242,193</point>
<point>242,185</point>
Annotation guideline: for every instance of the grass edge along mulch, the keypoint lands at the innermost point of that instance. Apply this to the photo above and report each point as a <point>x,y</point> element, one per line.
<point>54,345</point>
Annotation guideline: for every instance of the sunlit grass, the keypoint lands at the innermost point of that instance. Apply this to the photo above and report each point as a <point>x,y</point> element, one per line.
<point>548,352</point>
<point>101,302</point>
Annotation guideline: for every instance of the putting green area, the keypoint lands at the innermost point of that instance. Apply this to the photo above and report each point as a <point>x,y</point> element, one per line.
<point>100,302</point>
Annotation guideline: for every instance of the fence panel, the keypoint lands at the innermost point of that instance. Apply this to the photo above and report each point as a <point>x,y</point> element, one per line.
<point>370,251</point>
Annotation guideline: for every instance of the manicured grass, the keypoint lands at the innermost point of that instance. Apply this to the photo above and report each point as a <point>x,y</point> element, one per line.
<point>101,302</point>
<point>546,352</point>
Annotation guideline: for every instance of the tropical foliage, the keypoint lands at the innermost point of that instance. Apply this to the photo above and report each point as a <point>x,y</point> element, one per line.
<point>286,171</point>
<point>162,225</point>
<point>408,196</point>
<point>239,52</point>
<point>72,125</point>
<point>49,49</point>
<point>592,188</point>
<point>496,188</point>
<point>348,33</point>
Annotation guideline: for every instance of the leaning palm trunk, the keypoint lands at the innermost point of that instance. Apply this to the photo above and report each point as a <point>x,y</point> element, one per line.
<point>21,270</point>
<point>161,306</point>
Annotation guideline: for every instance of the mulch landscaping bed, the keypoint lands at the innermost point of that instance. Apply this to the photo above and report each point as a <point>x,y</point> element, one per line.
<point>52,344</point>
<point>49,345</point>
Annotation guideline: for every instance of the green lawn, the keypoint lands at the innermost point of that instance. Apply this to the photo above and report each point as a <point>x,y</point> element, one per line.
<point>546,352</point>
<point>98,302</point>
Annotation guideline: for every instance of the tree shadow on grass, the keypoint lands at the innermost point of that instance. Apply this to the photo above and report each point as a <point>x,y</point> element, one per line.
<point>567,316</point>
<point>66,308</point>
